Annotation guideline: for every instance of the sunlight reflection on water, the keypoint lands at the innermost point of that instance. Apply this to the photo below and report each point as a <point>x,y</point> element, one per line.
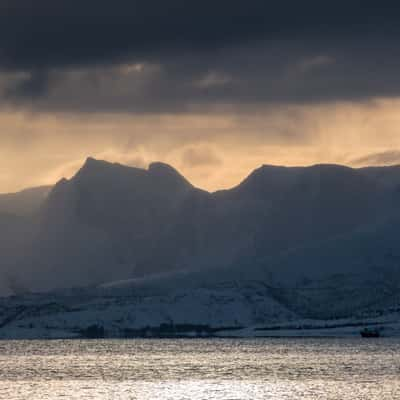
<point>201,369</point>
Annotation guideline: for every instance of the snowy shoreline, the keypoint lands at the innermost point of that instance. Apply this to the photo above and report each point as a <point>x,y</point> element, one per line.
<point>390,330</point>
<point>227,310</point>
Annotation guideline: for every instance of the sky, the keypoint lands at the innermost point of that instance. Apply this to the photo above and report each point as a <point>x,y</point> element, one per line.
<point>214,88</point>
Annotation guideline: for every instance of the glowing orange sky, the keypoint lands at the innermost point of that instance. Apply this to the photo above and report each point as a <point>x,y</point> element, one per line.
<point>213,150</point>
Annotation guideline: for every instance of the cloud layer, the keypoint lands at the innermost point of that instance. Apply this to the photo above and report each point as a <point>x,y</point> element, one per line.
<point>175,56</point>
<point>52,34</point>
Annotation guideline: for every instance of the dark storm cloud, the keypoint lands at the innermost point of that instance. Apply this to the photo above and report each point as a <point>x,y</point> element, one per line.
<point>50,33</point>
<point>74,54</point>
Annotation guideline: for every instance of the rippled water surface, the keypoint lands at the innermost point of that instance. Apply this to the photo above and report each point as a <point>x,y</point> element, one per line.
<point>201,369</point>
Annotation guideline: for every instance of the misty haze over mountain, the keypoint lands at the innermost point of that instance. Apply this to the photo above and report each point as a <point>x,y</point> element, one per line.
<point>285,225</point>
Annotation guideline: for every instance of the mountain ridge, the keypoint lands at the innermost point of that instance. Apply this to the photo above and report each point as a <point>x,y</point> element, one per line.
<point>113,222</point>
<point>285,246</point>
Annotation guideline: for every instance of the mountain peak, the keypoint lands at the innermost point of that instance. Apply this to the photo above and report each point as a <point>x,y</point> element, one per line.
<point>90,160</point>
<point>167,173</point>
<point>162,169</point>
<point>99,169</point>
<point>104,180</point>
<point>91,163</point>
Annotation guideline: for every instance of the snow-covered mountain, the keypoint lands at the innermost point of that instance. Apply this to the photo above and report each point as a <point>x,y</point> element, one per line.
<point>323,239</point>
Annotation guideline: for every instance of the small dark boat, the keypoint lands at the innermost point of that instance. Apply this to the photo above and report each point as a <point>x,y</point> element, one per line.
<point>370,333</point>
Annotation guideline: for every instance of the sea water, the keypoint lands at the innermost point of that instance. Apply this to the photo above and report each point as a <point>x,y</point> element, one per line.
<point>201,369</point>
